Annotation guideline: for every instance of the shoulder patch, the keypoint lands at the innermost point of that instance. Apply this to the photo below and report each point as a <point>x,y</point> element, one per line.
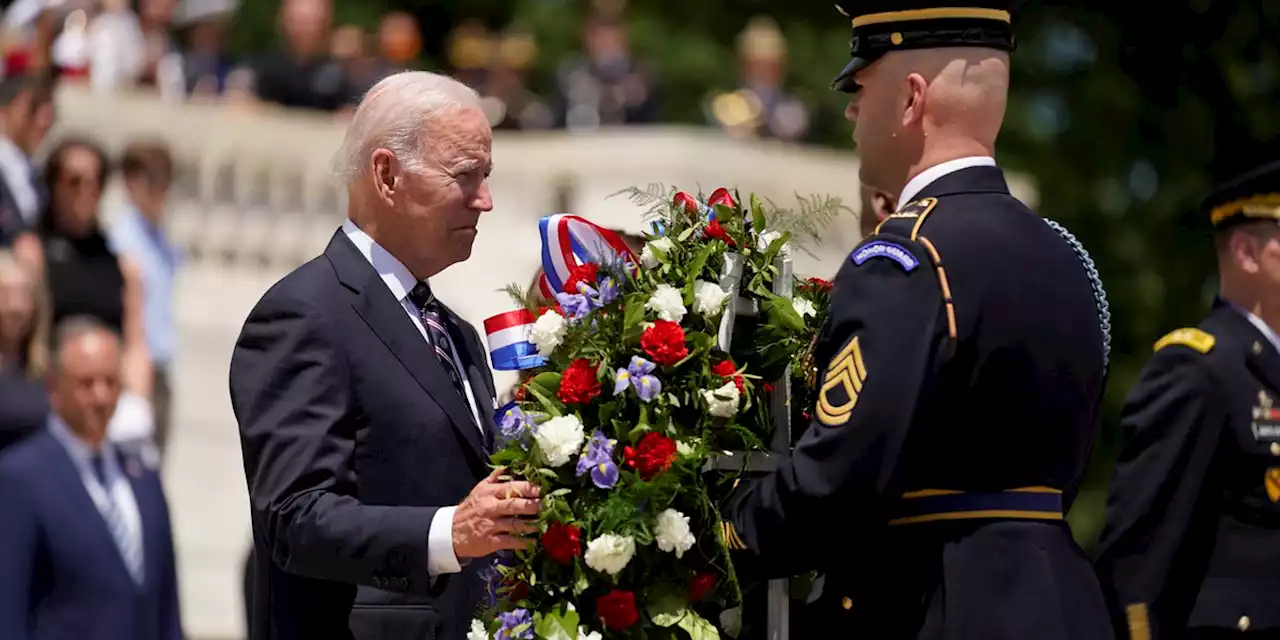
<point>917,207</point>
<point>885,249</point>
<point>913,213</point>
<point>1191,337</point>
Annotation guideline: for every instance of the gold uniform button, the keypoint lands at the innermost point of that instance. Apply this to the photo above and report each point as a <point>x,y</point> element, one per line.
<point>846,603</point>
<point>1243,623</point>
<point>1275,448</point>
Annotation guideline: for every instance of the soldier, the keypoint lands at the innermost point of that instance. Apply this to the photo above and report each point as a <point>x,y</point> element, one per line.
<point>760,106</point>
<point>1191,547</point>
<point>964,361</point>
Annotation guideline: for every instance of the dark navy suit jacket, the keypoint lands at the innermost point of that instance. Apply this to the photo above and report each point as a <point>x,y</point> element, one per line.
<point>61,575</point>
<point>353,436</point>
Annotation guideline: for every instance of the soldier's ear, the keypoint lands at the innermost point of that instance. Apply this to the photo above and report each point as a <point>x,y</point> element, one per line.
<point>914,111</point>
<point>1245,250</point>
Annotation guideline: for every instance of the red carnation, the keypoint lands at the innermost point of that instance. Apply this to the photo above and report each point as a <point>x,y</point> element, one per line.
<point>715,230</point>
<point>521,394</point>
<point>819,284</point>
<point>581,274</point>
<point>563,542</point>
<point>617,610</point>
<point>664,343</point>
<point>516,590</point>
<point>686,202</point>
<point>720,196</point>
<point>701,585</point>
<point>651,456</point>
<point>768,387</point>
<point>578,383</point>
<point>725,369</point>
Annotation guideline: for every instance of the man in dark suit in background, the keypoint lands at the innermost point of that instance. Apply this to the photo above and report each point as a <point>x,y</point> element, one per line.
<point>86,549</point>
<point>365,405</point>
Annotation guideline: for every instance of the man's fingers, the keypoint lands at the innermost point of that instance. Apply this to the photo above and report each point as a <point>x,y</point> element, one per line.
<point>516,507</point>
<point>495,477</point>
<point>517,526</point>
<point>499,542</point>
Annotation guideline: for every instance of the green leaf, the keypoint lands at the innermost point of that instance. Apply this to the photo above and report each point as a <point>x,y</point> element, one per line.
<point>781,313</point>
<point>699,261</point>
<point>698,627</point>
<point>684,235</point>
<point>552,407</point>
<point>563,491</point>
<point>556,625</point>
<point>548,382</point>
<point>667,606</point>
<point>757,214</point>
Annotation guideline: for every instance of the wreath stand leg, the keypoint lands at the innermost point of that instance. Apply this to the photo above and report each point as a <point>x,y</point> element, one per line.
<point>779,596</point>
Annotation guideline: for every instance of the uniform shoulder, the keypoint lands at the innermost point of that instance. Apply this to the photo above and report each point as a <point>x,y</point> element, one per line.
<point>1193,338</point>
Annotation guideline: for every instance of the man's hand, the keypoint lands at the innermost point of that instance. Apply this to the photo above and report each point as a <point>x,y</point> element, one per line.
<point>488,520</point>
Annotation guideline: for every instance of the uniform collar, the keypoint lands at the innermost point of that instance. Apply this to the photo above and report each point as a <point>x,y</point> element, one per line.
<point>928,176</point>
<point>393,272</point>
<point>1262,327</point>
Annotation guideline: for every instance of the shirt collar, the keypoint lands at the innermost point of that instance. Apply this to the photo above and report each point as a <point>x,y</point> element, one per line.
<point>396,276</point>
<point>928,176</point>
<point>78,449</point>
<point>1264,328</point>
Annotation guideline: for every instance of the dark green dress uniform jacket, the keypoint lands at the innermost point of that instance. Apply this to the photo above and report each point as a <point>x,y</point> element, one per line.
<point>1192,540</point>
<point>963,367</point>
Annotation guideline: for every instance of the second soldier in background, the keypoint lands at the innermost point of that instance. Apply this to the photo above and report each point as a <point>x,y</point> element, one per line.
<point>1191,548</point>
<point>963,367</point>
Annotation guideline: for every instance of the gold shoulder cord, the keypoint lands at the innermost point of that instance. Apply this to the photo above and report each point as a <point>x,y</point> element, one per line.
<point>942,272</point>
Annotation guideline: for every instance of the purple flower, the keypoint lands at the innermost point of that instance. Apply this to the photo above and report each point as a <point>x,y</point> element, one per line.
<point>608,290</point>
<point>598,461</point>
<point>576,305</point>
<point>492,576</point>
<point>517,624</point>
<point>515,424</point>
<point>639,375</point>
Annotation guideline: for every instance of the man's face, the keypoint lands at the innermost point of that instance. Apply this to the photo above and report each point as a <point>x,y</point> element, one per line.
<point>876,112</point>
<point>306,23</point>
<point>86,385</point>
<point>17,305</point>
<point>28,120</point>
<point>440,205</point>
<point>78,191</point>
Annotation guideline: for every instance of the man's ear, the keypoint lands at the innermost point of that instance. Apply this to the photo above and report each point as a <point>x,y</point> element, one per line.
<point>1244,248</point>
<point>916,89</point>
<point>386,174</point>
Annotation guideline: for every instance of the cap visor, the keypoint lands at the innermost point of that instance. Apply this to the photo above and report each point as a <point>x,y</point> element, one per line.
<point>845,82</point>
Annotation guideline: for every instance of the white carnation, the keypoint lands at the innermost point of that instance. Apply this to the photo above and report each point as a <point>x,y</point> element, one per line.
<point>672,532</point>
<point>583,634</point>
<point>723,402</point>
<point>647,259</point>
<point>663,244</point>
<point>708,298</point>
<point>478,632</point>
<point>667,302</point>
<point>767,238</point>
<point>731,621</point>
<point>803,306</point>
<point>548,332</point>
<point>559,439</point>
<point>610,553</point>
<point>686,448</point>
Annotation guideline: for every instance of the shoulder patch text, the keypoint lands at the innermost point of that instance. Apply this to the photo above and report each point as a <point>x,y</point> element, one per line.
<point>1193,338</point>
<point>885,249</point>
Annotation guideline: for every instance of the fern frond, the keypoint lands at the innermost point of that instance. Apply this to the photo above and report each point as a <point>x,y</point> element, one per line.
<point>518,296</point>
<point>808,221</point>
<point>655,198</point>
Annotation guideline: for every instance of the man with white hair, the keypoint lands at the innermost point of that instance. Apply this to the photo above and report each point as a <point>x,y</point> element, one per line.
<point>365,405</point>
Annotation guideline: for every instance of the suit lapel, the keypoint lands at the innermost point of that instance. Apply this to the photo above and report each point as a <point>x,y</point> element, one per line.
<point>475,358</point>
<point>133,469</point>
<point>389,321</point>
<point>82,503</point>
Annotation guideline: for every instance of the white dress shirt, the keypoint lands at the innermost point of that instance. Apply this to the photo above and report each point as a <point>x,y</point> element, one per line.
<point>400,281</point>
<point>1262,326</point>
<point>116,491</point>
<point>19,174</point>
<point>928,176</point>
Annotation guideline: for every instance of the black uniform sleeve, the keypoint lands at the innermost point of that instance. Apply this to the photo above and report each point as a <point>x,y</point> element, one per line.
<point>1158,532</point>
<point>879,347</point>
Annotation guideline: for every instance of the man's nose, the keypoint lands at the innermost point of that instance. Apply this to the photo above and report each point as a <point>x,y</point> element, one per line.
<point>484,198</point>
<point>851,110</point>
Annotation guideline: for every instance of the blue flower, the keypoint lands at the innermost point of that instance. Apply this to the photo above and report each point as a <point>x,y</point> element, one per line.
<point>639,375</point>
<point>598,461</point>
<point>516,625</point>
<point>515,424</point>
<point>575,304</point>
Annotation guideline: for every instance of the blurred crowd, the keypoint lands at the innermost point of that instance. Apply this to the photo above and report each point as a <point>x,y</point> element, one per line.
<point>178,48</point>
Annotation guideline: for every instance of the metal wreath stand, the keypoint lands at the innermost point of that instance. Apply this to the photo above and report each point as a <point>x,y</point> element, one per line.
<point>779,597</point>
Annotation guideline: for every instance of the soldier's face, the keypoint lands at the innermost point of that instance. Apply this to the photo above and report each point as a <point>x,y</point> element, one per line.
<point>1268,256</point>
<point>876,112</point>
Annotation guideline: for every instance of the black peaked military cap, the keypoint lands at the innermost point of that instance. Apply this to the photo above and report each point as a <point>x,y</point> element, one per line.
<point>1252,196</point>
<point>881,26</point>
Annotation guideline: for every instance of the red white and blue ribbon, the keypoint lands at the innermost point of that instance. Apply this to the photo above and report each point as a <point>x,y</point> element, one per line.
<point>569,241</point>
<point>510,348</point>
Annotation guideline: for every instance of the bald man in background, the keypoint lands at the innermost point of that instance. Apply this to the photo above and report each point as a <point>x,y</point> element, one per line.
<point>957,403</point>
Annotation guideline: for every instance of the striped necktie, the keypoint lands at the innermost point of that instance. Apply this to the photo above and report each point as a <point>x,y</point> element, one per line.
<point>433,318</point>
<point>129,545</point>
